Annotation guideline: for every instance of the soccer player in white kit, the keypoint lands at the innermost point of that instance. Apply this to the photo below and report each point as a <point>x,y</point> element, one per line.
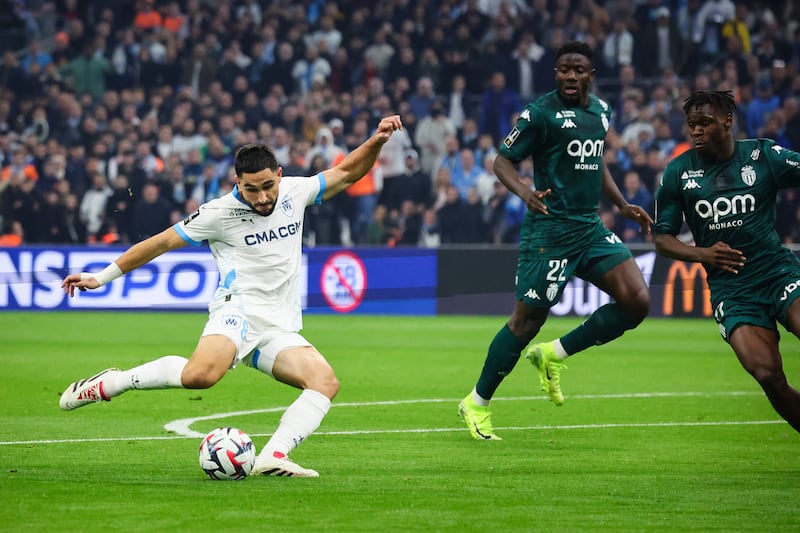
<point>255,236</point>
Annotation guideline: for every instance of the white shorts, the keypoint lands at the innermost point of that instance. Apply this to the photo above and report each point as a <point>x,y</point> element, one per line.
<point>257,349</point>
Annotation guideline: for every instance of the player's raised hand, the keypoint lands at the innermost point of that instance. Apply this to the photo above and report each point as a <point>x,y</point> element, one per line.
<point>387,126</point>
<point>721,255</point>
<point>78,281</point>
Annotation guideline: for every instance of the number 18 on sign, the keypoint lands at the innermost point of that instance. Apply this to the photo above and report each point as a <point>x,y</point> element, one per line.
<point>343,281</point>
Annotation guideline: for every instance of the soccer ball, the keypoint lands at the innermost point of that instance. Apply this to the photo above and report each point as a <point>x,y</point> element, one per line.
<point>227,453</point>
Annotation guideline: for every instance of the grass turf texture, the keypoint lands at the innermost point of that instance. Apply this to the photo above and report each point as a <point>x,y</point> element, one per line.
<point>661,431</point>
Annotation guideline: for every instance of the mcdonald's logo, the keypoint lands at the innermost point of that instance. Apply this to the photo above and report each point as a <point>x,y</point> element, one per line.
<point>687,275</point>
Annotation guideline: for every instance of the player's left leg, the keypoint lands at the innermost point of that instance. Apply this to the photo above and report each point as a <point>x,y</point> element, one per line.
<point>302,367</point>
<point>757,350</point>
<point>625,284</point>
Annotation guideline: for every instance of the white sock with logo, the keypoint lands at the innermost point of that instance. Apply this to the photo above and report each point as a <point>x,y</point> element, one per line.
<point>299,421</point>
<point>163,373</point>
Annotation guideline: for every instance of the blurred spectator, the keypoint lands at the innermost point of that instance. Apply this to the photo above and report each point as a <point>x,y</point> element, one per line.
<point>498,105</point>
<point>618,49</point>
<point>635,193</point>
<point>429,236</point>
<point>451,217</point>
<point>430,137</point>
<point>660,45</point>
<point>87,72</point>
<point>93,204</point>
<point>465,175</point>
<point>13,234</point>
<point>151,213</point>
<point>423,100</point>
<point>409,224</point>
<point>765,103</point>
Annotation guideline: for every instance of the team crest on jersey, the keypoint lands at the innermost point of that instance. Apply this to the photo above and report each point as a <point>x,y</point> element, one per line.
<point>511,138</point>
<point>287,207</point>
<point>748,175</point>
<point>552,290</point>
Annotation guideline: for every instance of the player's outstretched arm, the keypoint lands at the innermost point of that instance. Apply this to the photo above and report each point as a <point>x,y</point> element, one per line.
<point>361,160</point>
<point>507,173</point>
<point>630,211</point>
<point>720,255</point>
<point>137,255</point>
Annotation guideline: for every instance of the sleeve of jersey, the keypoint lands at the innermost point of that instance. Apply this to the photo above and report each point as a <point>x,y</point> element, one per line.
<point>669,213</point>
<point>527,133</point>
<point>785,165</point>
<point>309,190</point>
<point>202,225</point>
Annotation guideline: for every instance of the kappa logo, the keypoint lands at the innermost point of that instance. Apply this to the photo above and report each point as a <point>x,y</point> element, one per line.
<point>691,184</point>
<point>778,149</point>
<point>568,124</point>
<point>532,294</point>
<point>287,207</point>
<point>526,115</point>
<point>755,154</point>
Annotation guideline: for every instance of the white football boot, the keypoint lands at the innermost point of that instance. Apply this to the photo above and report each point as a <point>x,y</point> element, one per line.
<point>278,464</point>
<point>85,391</point>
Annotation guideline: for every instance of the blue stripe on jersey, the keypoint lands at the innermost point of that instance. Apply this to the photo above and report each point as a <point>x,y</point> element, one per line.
<point>177,227</point>
<point>318,199</point>
<point>229,279</point>
<point>235,193</point>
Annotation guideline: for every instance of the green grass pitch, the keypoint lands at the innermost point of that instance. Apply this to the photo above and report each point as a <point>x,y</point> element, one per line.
<point>661,430</point>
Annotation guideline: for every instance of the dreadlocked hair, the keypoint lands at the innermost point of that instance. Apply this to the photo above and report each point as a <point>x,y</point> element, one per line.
<point>718,100</point>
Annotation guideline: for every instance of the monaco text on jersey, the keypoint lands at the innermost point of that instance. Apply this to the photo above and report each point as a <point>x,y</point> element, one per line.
<point>281,232</point>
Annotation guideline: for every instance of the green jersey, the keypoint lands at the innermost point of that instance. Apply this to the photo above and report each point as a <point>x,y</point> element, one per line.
<point>731,201</point>
<point>566,144</point>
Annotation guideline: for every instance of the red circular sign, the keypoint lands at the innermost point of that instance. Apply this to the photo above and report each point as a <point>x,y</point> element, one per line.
<point>343,281</point>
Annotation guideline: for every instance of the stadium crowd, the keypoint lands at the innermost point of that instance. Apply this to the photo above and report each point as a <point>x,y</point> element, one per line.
<point>119,118</point>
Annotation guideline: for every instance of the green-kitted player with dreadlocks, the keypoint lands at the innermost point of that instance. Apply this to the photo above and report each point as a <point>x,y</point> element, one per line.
<point>726,190</point>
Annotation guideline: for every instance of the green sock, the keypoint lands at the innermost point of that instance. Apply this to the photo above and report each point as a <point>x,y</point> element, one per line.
<point>503,355</point>
<point>604,325</point>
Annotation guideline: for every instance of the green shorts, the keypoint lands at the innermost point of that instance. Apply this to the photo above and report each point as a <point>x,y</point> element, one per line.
<point>543,273</point>
<point>758,304</point>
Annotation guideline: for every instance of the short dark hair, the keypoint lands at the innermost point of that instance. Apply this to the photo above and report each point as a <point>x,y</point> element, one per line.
<point>576,47</point>
<point>722,101</point>
<point>252,158</point>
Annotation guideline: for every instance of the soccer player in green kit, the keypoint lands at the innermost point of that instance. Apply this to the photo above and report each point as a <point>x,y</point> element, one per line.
<point>564,132</point>
<point>725,189</point>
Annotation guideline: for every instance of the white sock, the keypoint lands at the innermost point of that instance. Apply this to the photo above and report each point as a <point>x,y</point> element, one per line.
<point>163,373</point>
<point>299,421</point>
<point>480,400</point>
<point>560,351</point>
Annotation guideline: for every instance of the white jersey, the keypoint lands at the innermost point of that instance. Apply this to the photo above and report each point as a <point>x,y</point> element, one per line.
<point>259,258</point>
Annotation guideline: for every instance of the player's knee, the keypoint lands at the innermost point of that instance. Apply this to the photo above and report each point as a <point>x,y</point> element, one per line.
<point>199,378</point>
<point>638,307</point>
<point>770,377</point>
<point>324,382</point>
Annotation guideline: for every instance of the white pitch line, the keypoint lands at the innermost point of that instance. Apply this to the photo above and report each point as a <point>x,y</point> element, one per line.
<point>182,426</point>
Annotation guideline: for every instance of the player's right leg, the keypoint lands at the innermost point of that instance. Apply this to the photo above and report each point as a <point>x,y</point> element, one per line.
<point>503,354</point>
<point>209,362</point>
<point>757,350</point>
